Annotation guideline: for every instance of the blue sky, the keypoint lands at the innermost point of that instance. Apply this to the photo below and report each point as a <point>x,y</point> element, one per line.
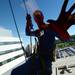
<point>50,9</point>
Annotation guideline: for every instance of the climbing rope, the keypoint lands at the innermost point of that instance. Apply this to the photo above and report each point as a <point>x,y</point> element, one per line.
<point>16,27</point>
<point>25,7</point>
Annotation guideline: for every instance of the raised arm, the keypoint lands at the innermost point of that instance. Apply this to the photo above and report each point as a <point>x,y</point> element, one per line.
<point>28,24</point>
<point>29,30</point>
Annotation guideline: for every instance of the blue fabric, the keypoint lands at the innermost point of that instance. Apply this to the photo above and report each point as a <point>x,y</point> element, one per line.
<point>25,69</point>
<point>28,69</point>
<point>47,41</point>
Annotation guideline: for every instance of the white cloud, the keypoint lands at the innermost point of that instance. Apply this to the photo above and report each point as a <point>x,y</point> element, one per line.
<point>5,32</point>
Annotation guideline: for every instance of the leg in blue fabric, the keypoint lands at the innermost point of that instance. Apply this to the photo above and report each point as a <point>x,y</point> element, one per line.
<point>24,69</point>
<point>45,66</point>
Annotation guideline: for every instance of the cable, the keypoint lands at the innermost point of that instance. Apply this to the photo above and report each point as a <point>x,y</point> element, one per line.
<point>16,27</point>
<point>25,6</point>
<point>24,1</point>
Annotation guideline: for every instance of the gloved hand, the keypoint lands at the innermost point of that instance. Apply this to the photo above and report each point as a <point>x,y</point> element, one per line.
<point>28,17</point>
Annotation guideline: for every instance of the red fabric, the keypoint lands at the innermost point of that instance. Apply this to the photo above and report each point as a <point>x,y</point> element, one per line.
<point>61,32</point>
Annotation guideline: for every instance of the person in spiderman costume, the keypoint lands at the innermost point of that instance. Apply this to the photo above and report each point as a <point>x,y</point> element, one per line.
<point>46,34</point>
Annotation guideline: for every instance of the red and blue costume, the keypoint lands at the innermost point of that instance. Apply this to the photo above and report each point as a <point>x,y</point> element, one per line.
<point>46,34</point>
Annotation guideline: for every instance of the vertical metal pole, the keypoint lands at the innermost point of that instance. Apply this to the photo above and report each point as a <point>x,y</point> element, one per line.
<point>24,1</point>
<point>56,70</point>
<point>31,42</point>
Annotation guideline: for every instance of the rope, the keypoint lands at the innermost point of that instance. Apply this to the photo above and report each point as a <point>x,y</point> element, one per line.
<point>25,6</point>
<point>24,1</point>
<point>16,27</point>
